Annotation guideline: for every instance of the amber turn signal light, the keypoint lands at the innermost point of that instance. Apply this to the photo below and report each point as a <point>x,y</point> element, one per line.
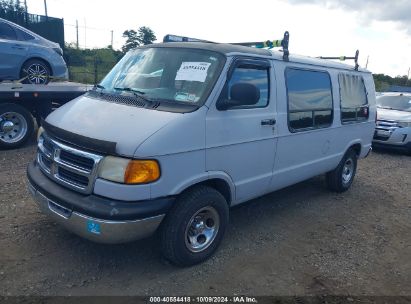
<point>141,172</point>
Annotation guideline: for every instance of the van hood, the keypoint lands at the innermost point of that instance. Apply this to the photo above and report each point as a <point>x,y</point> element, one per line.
<point>127,126</point>
<point>387,114</point>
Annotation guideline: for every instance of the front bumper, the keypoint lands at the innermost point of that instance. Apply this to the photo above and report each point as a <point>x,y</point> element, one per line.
<point>394,137</point>
<point>95,218</point>
<point>399,139</point>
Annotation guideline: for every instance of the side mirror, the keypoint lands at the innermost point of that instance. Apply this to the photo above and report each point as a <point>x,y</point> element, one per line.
<point>242,94</point>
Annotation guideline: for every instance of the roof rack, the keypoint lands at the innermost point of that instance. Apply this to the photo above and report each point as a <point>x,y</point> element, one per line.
<point>176,38</point>
<point>343,58</point>
<point>284,43</point>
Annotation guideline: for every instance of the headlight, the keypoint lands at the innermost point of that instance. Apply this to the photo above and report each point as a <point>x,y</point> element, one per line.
<point>39,132</point>
<point>404,124</point>
<point>130,172</point>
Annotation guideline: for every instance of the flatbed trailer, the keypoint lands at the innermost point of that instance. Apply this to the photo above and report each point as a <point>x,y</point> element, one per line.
<point>21,104</point>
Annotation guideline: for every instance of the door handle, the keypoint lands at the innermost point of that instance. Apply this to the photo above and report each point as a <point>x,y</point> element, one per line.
<point>268,122</point>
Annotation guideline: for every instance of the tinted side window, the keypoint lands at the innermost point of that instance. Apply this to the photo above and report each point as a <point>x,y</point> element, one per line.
<point>23,35</point>
<point>253,75</point>
<point>310,102</point>
<point>354,102</point>
<point>7,32</point>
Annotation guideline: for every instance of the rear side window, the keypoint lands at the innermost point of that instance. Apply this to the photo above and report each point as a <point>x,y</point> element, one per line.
<point>354,101</point>
<point>310,102</point>
<point>23,35</point>
<point>7,32</point>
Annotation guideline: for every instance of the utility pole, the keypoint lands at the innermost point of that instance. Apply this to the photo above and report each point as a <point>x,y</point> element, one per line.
<point>85,33</point>
<point>77,34</point>
<point>112,40</point>
<point>26,11</point>
<point>368,59</point>
<point>45,8</point>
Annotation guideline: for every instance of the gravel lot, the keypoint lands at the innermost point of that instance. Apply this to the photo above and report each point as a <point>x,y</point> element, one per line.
<point>302,240</point>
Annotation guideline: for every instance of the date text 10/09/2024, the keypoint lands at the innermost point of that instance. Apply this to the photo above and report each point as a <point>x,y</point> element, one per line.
<point>234,299</point>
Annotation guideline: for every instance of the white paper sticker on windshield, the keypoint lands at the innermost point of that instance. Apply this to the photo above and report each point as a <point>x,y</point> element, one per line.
<point>193,71</point>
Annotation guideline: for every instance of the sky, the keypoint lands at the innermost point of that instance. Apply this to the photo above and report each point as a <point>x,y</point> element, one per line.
<point>380,29</point>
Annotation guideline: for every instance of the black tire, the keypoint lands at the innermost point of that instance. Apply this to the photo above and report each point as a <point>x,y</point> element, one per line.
<point>16,126</point>
<point>175,246</point>
<point>35,71</point>
<point>342,177</point>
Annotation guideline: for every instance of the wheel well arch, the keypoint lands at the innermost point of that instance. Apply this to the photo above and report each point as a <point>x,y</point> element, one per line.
<point>218,184</point>
<point>40,59</point>
<point>356,147</point>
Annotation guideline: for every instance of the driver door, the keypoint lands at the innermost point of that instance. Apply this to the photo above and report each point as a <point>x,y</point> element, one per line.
<point>242,141</point>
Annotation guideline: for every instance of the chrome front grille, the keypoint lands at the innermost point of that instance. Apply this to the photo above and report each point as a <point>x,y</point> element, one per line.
<point>384,129</point>
<point>68,166</point>
<point>387,124</point>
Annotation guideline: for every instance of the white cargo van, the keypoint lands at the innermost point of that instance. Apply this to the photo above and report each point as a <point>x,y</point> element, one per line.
<point>177,133</point>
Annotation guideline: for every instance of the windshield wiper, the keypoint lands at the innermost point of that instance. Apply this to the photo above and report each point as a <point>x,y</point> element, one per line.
<point>387,108</point>
<point>137,94</point>
<point>99,86</point>
<point>130,90</point>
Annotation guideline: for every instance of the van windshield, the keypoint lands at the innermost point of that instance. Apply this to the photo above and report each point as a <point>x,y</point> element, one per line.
<point>171,75</point>
<point>399,103</point>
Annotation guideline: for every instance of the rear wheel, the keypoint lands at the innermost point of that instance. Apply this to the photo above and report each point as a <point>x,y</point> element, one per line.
<point>16,126</point>
<point>342,177</point>
<point>194,228</point>
<point>35,72</point>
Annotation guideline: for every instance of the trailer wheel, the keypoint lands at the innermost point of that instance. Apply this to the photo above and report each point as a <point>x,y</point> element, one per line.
<point>36,71</point>
<point>16,126</point>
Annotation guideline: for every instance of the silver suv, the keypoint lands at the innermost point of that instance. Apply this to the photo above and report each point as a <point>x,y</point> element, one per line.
<point>394,121</point>
<point>26,55</point>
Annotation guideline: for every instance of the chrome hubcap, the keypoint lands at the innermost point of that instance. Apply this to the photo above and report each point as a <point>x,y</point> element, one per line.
<point>13,127</point>
<point>348,171</point>
<point>202,229</point>
<point>37,74</point>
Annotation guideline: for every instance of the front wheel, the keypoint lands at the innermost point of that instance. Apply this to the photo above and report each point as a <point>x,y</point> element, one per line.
<point>342,177</point>
<point>16,126</point>
<point>195,226</point>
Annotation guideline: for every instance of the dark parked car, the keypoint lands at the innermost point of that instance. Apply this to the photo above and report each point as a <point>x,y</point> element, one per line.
<point>26,55</point>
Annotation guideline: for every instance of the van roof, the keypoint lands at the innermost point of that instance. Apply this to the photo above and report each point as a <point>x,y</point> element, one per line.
<point>231,49</point>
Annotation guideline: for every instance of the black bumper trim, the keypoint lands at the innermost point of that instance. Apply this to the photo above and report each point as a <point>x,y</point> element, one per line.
<point>96,206</point>
<point>406,147</point>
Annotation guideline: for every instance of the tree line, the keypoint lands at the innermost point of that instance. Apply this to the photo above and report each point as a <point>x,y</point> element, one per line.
<point>383,82</point>
<point>107,57</point>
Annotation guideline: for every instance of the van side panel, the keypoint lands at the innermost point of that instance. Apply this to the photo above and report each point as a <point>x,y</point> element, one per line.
<point>306,154</point>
